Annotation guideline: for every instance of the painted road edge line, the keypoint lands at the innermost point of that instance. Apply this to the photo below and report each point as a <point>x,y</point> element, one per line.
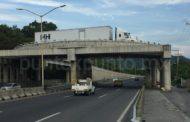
<point>127,107</point>
<point>50,116</point>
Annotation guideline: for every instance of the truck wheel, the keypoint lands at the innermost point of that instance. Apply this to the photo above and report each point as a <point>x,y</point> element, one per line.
<point>93,92</point>
<point>88,92</point>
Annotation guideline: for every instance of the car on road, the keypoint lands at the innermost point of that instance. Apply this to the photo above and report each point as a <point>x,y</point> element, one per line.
<point>117,82</point>
<point>10,86</point>
<point>84,86</point>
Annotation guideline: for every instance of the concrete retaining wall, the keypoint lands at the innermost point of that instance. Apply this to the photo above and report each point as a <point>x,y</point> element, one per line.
<point>99,74</point>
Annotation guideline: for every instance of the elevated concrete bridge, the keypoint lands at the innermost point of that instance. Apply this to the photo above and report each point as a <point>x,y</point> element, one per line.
<point>157,58</point>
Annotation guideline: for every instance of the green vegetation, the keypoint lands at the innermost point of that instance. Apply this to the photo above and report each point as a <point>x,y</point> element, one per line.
<point>183,70</point>
<point>13,36</point>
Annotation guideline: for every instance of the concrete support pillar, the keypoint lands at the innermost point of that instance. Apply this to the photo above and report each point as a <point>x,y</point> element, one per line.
<point>148,74</point>
<point>167,74</point>
<point>148,79</point>
<point>12,74</point>
<point>72,58</point>
<point>5,73</point>
<point>17,74</point>
<point>162,77</point>
<point>68,76</point>
<point>154,70</point>
<point>73,72</point>
<point>158,74</point>
<point>39,70</point>
<point>0,74</point>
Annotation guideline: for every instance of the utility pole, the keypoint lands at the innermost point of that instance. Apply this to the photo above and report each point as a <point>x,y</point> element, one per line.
<point>177,62</point>
<point>41,31</point>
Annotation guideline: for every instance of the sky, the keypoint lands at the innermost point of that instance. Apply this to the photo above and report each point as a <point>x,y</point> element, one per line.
<point>160,21</point>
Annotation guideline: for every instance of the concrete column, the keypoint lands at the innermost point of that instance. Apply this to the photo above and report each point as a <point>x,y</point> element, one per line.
<point>147,74</point>
<point>162,77</point>
<point>73,72</point>
<point>72,58</point>
<point>154,70</point>
<point>68,76</point>
<point>5,73</point>
<point>158,74</point>
<point>39,70</point>
<point>12,78</point>
<point>17,75</point>
<point>148,79</point>
<point>0,73</point>
<point>167,74</point>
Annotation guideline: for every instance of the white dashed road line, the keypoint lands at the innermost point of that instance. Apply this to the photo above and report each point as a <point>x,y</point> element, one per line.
<point>50,116</point>
<point>102,96</point>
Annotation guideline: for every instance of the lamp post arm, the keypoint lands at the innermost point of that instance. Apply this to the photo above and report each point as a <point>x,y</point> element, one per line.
<point>32,12</point>
<point>52,10</point>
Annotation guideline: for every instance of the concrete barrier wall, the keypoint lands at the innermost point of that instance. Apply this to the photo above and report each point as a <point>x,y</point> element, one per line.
<point>21,92</point>
<point>99,74</point>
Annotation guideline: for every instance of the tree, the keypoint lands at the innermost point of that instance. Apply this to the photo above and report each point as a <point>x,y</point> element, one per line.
<point>13,36</point>
<point>10,37</point>
<point>33,27</point>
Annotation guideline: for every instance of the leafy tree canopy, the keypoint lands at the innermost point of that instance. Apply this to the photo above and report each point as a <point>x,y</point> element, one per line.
<point>13,36</point>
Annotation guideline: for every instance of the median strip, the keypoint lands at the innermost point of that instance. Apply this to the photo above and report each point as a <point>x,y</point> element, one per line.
<point>50,116</point>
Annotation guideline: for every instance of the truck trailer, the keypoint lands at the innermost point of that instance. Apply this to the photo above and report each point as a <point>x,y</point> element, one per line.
<point>82,34</point>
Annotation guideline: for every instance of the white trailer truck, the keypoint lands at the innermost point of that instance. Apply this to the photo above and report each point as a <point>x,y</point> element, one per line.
<point>83,34</point>
<point>77,34</point>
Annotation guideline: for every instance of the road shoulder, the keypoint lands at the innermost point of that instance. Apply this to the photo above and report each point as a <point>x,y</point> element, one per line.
<point>157,108</point>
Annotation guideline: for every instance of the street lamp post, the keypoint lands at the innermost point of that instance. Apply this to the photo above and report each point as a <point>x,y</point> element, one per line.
<point>41,30</point>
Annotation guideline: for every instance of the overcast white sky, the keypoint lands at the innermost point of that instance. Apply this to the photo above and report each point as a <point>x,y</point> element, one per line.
<point>161,21</point>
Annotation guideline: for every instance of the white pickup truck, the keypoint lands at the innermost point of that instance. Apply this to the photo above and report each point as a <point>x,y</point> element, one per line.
<point>84,86</point>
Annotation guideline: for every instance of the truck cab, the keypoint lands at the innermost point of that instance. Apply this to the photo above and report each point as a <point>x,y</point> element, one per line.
<point>83,86</point>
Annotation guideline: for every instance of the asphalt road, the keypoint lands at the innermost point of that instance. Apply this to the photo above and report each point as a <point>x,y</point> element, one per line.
<point>106,105</point>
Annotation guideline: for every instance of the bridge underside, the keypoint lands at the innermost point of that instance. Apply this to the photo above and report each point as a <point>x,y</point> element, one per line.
<point>70,61</point>
<point>27,70</point>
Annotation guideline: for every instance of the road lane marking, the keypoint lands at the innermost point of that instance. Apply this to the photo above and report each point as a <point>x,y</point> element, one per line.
<point>50,116</point>
<point>68,96</point>
<point>127,107</point>
<point>102,96</point>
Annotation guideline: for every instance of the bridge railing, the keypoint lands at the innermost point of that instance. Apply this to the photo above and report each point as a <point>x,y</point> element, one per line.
<point>75,44</point>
